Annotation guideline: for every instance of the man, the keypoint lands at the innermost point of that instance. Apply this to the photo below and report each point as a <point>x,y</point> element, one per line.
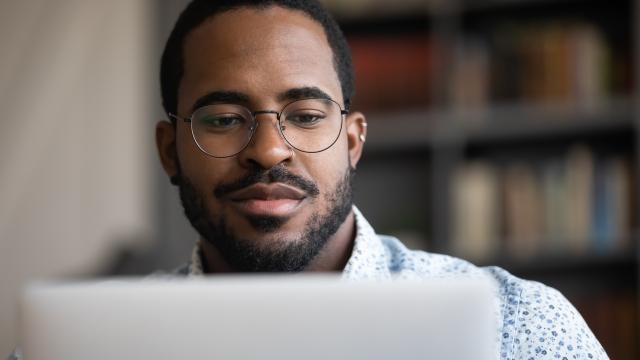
<point>263,145</point>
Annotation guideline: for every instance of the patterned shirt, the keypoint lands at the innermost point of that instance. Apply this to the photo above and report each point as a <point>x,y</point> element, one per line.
<point>536,321</point>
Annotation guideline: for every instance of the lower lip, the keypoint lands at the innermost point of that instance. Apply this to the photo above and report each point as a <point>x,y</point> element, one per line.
<point>276,207</point>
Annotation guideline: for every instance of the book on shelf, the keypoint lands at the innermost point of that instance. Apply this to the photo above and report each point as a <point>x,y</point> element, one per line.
<point>578,204</point>
<point>612,192</point>
<point>555,206</point>
<point>561,62</point>
<point>394,72</point>
<point>469,83</point>
<point>580,169</point>
<point>523,209</point>
<point>474,203</point>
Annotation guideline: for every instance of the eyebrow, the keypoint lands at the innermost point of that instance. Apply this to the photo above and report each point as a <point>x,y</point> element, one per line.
<point>235,97</point>
<point>221,97</point>
<point>305,92</point>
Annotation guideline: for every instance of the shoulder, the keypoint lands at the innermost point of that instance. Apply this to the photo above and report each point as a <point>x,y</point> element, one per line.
<point>539,322</point>
<point>420,264</point>
<point>536,321</point>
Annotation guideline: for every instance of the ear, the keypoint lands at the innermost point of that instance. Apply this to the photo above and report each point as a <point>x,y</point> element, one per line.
<point>166,143</point>
<point>356,136</point>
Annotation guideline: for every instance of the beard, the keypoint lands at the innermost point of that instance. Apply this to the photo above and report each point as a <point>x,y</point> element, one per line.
<point>283,254</point>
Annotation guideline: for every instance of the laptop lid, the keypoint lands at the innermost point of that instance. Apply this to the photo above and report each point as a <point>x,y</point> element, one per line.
<point>259,317</point>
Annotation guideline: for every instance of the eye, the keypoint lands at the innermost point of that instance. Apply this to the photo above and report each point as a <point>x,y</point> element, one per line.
<point>221,122</point>
<point>306,118</point>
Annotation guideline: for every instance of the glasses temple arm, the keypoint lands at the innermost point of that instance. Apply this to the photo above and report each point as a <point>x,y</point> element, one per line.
<point>176,117</point>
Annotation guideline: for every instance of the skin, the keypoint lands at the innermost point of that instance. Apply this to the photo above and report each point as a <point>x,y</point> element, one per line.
<point>262,54</point>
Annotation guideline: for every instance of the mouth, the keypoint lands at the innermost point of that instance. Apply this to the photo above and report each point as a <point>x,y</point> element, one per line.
<point>268,200</point>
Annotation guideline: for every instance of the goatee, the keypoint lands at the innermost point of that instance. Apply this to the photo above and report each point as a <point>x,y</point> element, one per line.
<point>283,254</point>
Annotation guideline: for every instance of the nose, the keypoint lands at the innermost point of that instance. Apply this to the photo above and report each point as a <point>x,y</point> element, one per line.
<point>267,147</point>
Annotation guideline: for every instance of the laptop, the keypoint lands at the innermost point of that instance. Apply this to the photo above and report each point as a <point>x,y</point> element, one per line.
<point>259,317</point>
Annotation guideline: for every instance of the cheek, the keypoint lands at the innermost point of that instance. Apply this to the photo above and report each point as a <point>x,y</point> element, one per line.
<point>340,152</point>
<point>202,170</point>
<point>190,156</point>
<point>330,165</point>
<point>185,144</point>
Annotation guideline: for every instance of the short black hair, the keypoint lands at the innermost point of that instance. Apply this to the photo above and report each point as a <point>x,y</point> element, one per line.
<point>171,67</point>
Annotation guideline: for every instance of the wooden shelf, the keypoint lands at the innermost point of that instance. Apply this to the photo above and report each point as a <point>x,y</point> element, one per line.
<point>603,273</point>
<point>492,5</point>
<point>427,129</point>
<point>568,263</point>
<point>357,10</point>
<point>372,10</point>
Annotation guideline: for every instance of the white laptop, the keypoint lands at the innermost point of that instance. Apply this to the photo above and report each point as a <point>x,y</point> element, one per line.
<point>259,317</point>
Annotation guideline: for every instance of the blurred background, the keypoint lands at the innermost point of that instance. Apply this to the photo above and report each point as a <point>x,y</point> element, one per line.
<point>502,131</point>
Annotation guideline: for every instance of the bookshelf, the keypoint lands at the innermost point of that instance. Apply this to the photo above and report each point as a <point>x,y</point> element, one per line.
<point>484,101</point>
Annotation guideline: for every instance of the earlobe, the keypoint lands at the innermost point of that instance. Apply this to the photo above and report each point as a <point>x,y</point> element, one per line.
<point>166,144</point>
<point>357,135</point>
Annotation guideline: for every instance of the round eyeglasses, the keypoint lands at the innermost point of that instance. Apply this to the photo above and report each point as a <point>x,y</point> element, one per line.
<point>307,125</point>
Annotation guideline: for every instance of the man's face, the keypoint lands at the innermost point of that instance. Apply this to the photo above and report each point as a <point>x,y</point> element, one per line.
<point>270,202</point>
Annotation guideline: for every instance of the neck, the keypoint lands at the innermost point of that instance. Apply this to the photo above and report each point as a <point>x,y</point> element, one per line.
<point>332,258</point>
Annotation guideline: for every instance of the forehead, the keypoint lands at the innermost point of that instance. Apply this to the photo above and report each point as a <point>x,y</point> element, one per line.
<point>259,52</point>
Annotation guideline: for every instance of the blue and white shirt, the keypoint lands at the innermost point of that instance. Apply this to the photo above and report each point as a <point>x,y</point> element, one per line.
<point>536,321</point>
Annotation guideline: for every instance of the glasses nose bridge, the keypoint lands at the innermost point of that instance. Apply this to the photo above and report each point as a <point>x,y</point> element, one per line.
<point>260,112</point>
<point>256,123</point>
<point>255,114</point>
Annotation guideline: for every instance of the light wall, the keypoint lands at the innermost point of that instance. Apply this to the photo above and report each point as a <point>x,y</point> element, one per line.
<point>75,147</point>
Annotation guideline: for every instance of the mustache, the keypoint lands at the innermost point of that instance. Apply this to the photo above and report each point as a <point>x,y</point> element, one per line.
<point>279,174</point>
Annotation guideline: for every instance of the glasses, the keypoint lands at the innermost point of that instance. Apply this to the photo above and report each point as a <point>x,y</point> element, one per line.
<point>224,130</point>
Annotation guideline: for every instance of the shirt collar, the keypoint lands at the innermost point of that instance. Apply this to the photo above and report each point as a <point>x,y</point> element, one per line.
<point>368,259</point>
<point>195,266</point>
